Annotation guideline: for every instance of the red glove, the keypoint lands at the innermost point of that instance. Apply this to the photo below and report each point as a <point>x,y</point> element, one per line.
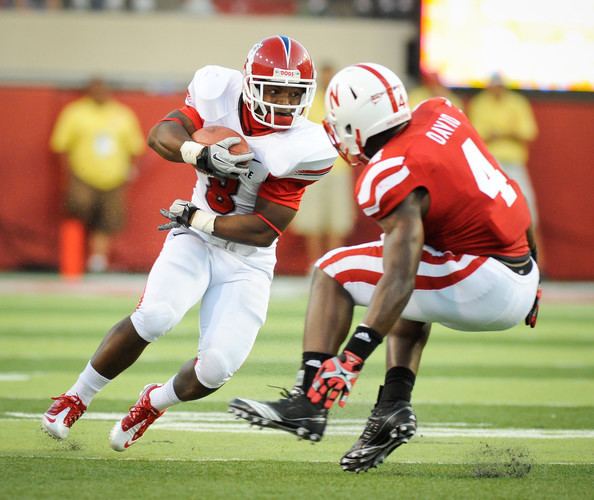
<point>336,376</point>
<point>533,314</point>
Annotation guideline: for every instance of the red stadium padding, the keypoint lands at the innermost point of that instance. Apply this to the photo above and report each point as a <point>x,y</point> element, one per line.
<point>31,210</point>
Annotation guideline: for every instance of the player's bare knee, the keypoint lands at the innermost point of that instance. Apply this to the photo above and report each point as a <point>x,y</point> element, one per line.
<point>325,284</point>
<point>321,278</point>
<point>213,368</point>
<point>153,321</point>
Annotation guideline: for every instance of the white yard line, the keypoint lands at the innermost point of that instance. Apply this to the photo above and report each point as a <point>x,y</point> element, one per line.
<point>224,423</point>
<point>14,377</point>
<point>119,457</point>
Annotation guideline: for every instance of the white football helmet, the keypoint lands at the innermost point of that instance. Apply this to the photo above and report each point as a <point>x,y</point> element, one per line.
<point>278,61</point>
<point>361,101</point>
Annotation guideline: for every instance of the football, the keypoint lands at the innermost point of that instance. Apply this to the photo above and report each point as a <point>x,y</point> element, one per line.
<point>215,133</point>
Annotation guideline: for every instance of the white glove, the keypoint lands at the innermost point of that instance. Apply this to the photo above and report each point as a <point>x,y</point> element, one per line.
<point>185,213</point>
<point>216,159</point>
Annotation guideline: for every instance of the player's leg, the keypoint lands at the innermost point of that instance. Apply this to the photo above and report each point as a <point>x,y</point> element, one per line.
<point>327,323</point>
<point>461,291</point>
<point>231,314</point>
<point>336,289</point>
<point>233,309</point>
<point>392,421</point>
<point>120,348</point>
<point>170,291</point>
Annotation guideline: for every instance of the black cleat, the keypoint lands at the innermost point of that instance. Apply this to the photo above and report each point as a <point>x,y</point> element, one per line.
<point>388,426</point>
<point>293,413</point>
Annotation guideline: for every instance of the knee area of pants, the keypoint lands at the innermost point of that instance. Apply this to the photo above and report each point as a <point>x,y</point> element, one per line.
<point>155,320</point>
<point>212,368</point>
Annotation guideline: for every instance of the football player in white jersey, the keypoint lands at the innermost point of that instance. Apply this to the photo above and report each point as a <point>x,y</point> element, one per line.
<point>221,247</point>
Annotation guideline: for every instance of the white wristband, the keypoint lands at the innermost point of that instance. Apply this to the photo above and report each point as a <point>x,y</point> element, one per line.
<point>203,221</point>
<point>190,150</point>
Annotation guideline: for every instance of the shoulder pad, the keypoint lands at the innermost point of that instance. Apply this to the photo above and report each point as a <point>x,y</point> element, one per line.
<point>309,153</point>
<point>213,91</point>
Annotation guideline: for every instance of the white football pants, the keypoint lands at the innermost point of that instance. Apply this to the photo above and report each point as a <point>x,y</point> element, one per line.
<point>463,292</point>
<point>234,299</point>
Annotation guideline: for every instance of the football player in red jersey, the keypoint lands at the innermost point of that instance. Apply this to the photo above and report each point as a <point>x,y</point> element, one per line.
<point>221,247</point>
<point>456,249</point>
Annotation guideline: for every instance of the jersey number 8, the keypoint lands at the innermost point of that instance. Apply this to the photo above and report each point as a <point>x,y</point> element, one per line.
<point>219,194</point>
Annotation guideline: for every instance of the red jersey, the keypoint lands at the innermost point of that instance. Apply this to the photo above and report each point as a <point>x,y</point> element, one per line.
<point>475,208</point>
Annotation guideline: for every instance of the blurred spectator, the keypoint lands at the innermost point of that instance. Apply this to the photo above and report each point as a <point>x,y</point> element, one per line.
<point>195,7</point>
<point>327,214</point>
<point>32,4</point>
<point>97,139</point>
<point>431,86</point>
<point>256,7</point>
<point>505,121</point>
<point>401,9</point>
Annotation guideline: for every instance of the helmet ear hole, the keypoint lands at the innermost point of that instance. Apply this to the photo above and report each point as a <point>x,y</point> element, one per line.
<point>349,129</point>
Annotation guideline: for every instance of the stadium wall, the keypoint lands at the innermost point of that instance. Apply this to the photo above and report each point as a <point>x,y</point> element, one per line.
<point>30,207</point>
<point>163,49</point>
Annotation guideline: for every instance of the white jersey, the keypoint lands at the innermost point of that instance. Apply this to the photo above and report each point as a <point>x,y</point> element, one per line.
<point>284,160</point>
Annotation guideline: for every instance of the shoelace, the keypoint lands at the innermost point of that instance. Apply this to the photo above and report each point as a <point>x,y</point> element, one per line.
<point>373,425</point>
<point>75,404</point>
<point>140,412</point>
<point>295,391</point>
<point>370,429</point>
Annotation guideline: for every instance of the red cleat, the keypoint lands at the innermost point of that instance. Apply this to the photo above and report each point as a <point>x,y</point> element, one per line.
<point>61,415</point>
<point>131,428</point>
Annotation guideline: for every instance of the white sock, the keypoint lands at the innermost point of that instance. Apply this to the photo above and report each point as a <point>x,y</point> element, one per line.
<point>164,396</point>
<point>89,383</point>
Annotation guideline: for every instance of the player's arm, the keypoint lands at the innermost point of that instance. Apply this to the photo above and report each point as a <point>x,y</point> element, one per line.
<point>171,139</point>
<point>258,229</point>
<point>168,135</point>
<point>403,245</point>
<point>402,249</point>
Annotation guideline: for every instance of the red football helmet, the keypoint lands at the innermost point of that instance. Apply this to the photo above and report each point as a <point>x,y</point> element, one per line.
<point>278,61</point>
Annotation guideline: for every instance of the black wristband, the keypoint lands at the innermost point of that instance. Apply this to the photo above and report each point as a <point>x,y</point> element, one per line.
<point>202,162</point>
<point>186,217</point>
<point>363,341</point>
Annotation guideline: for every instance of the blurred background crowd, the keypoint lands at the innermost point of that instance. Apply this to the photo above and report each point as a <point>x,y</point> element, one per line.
<point>333,8</point>
<point>89,63</point>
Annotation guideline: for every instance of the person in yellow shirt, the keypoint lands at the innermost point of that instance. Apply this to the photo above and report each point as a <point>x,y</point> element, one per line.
<point>432,86</point>
<point>98,140</point>
<point>327,213</point>
<point>505,121</point>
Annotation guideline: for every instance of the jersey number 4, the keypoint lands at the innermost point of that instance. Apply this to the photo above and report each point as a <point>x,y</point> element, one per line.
<point>488,179</point>
<point>219,194</point>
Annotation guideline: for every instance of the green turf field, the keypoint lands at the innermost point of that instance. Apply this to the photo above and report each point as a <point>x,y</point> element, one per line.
<point>507,415</point>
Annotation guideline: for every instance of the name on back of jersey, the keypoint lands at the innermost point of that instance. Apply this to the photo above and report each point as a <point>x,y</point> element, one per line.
<point>443,128</point>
